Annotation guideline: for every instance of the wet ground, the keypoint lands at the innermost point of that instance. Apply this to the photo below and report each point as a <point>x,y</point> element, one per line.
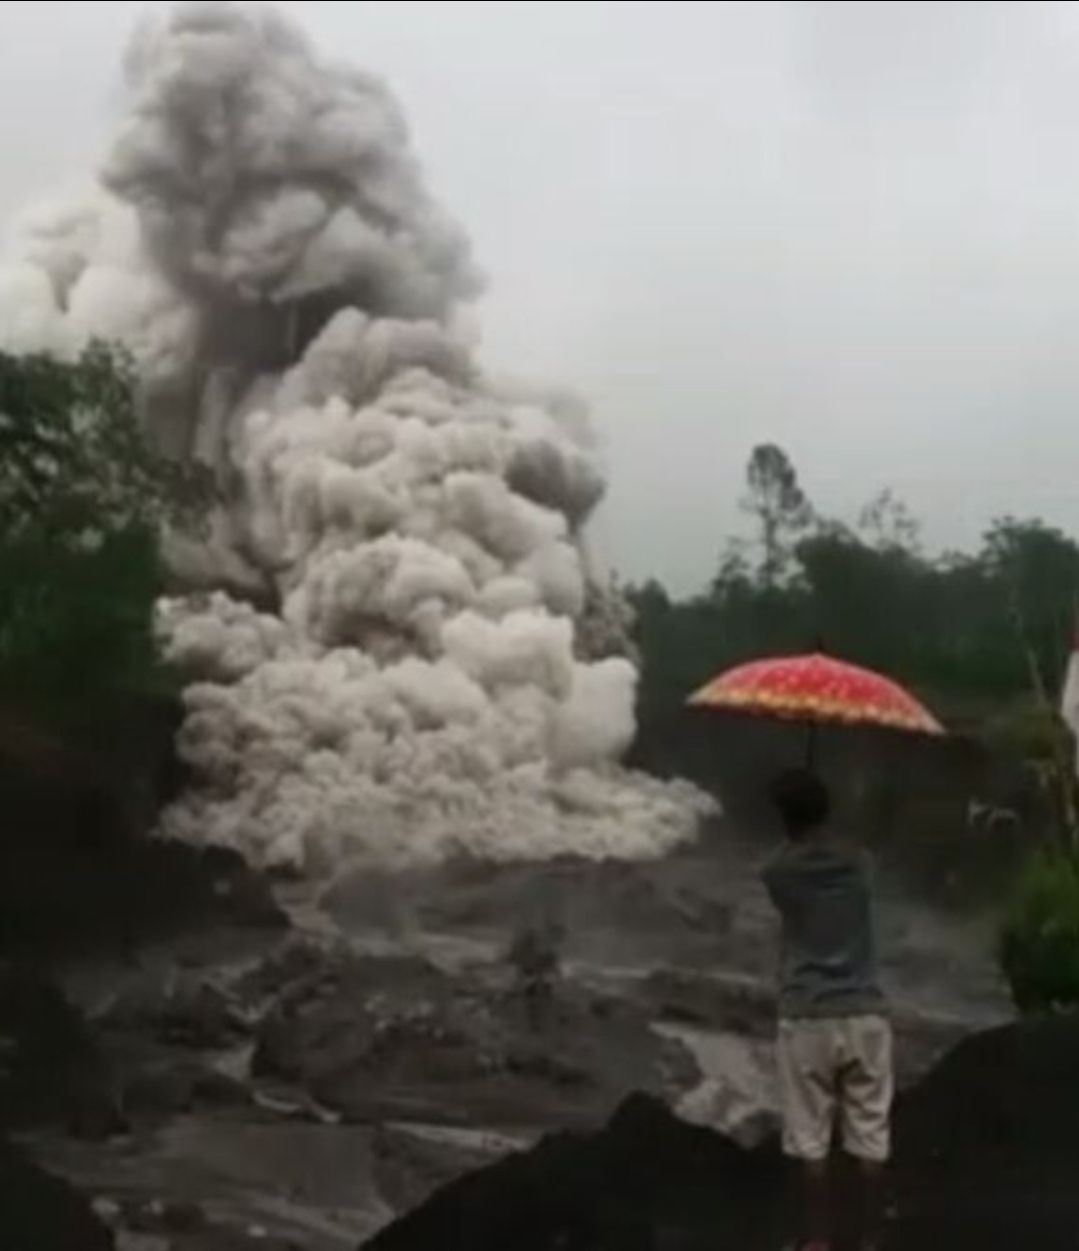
<point>313,1087</point>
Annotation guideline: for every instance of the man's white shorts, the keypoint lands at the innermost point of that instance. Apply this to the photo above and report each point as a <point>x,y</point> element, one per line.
<point>836,1068</point>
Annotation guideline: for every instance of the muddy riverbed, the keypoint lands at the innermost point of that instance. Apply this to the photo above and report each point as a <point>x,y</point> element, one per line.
<point>312,1084</point>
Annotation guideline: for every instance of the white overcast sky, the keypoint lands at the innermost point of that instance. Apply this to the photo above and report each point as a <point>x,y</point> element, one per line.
<point>851,228</point>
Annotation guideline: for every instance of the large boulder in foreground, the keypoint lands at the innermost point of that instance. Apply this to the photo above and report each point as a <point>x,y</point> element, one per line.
<point>987,1160</point>
<point>989,1143</point>
<point>646,1181</point>
<point>39,1212</point>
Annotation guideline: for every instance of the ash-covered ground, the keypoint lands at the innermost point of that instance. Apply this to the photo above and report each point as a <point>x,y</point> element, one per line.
<point>311,1082</point>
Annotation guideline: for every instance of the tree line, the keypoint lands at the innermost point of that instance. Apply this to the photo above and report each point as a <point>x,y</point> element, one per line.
<point>966,629</point>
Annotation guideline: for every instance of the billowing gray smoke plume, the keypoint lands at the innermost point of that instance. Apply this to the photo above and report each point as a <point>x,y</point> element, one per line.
<point>421,675</point>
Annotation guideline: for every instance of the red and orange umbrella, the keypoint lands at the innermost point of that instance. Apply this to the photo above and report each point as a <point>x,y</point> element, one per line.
<point>818,690</point>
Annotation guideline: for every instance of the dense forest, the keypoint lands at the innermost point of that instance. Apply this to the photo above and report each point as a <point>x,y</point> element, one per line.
<point>971,631</point>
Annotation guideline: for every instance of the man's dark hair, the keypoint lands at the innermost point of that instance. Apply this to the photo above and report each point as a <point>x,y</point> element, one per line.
<point>802,800</point>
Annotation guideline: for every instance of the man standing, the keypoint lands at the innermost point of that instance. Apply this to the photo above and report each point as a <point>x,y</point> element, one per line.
<point>834,1049</point>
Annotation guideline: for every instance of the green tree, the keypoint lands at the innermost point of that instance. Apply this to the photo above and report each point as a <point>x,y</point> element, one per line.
<point>775,498</point>
<point>887,522</point>
<point>73,460</point>
<point>1039,944</point>
<point>863,599</point>
<point>82,504</point>
<point>1036,568</point>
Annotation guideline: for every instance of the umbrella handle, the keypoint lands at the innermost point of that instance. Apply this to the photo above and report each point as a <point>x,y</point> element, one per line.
<point>811,747</point>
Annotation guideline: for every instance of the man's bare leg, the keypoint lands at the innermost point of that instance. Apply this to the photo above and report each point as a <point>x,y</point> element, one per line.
<point>816,1203</point>
<point>871,1204</point>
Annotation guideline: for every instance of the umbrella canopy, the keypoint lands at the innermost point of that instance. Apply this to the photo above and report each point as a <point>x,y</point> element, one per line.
<point>817,689</point>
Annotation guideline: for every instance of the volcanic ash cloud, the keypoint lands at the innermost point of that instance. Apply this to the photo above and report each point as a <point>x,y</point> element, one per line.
<point>431,667</point>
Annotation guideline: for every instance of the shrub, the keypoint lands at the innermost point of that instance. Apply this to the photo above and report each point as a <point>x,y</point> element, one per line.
<point>1039,950</point>
<point>77,623</point>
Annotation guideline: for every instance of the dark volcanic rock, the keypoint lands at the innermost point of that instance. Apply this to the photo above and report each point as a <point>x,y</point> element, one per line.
<point>158,1087</point>
<point>46,1045</point>
<point>989,1143</point>
<point>291,965</point>
<point>733,1004</point>
<point>40,1213</point>
<point>376,1039</point>
<point>646,1181</point>
<point>134,1062</point>
<point>180,1008</point>
<point>987,1156</point>
<point>409,1164</point>
<point>335,1011</point>
<point>51,1068</point>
